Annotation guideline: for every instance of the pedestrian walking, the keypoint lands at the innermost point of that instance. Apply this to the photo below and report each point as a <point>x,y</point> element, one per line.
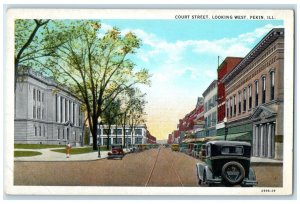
<point>68,149</point>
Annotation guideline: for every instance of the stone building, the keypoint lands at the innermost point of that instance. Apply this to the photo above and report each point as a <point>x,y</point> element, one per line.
<point>254,96</point>
<point>46,113</point>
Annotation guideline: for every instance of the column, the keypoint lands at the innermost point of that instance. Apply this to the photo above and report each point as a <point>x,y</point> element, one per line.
<point>261,140</point>
<point>257,140</point>
<point>269,140</point>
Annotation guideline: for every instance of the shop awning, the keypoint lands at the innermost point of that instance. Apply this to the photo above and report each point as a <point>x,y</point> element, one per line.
<point>244,136</point>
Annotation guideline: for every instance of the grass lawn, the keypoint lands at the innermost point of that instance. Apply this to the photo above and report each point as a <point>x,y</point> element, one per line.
<point>82,150</point>
<point>36,146</point>
<point>26,153</point>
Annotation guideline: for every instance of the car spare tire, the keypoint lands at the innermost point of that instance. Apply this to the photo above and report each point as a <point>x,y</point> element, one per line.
<point>233,173</point>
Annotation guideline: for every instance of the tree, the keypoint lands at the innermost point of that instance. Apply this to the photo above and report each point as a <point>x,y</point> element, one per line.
<point>94,66</point>
<point>109,116</point>
<point>136,112</point>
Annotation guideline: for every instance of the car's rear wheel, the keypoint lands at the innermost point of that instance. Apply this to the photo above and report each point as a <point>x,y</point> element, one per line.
<point>233,173</point>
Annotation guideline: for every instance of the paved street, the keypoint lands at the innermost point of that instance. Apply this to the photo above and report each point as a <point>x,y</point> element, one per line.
<point>154,167</point>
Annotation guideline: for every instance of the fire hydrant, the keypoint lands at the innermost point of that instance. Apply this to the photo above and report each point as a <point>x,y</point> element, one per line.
<point>68,149</point>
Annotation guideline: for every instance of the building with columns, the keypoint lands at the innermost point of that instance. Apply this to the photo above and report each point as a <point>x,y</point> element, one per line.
<point>46,113</point>
<point>254,96</point>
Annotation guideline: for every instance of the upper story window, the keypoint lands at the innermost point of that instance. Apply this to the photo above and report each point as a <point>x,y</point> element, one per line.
<point>245,98</point>
<point>33,94</point>
<point>138,131</point>
<point>34,112</point>
<point>43,96</point>
<point>272,87</point>
<point>240,102</point>
<point>256,93</point>
<point>250,96</point>
<point>227,108</point>
<point>234,105</point>
<point>230,106</point>
<point>263,89</point>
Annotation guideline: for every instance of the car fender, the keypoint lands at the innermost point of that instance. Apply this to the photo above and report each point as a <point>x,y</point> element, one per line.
<point>209,174</point>
<point>200,169</point>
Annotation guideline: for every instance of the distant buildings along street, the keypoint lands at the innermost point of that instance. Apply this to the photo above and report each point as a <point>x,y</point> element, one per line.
<point>246,100</point>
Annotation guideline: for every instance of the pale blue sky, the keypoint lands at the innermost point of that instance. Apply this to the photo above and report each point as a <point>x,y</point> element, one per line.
<point>182,56</point>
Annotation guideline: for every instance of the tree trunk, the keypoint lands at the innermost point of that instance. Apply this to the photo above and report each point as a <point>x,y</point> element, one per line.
<point>94,133</point>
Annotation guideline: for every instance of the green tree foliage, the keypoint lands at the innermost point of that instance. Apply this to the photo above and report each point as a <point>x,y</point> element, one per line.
<point>94,66</point>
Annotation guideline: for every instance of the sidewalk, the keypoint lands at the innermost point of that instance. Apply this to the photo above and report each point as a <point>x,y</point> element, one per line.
<point>48,155</point>
<point>255,160</point>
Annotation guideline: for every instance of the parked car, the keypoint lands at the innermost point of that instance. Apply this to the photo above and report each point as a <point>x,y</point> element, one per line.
<point>228,163</point>
<point>196,149</point>
<point>190,149</point>
<point>202,152</point>
<point>175,147</point>
<point>183,147</point>
<point>116,152</point>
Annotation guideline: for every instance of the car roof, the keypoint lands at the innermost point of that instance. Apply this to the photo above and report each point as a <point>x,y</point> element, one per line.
<point>230,143</point>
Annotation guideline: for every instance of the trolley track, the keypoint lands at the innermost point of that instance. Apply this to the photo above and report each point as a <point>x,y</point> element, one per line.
<point>170,159</point>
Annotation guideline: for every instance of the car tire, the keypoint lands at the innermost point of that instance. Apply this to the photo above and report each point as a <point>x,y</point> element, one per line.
<point>236,177</point>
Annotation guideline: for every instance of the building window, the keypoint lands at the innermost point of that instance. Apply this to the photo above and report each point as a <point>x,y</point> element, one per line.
<point>272,87</point>
<point>244,102</point>
<point>256,93</point>
<point>43,113</point>
<point>39,113</point>
<point>34,94</point>
<point>42,97</point>
<point>106,131</point>
<point>38,95</point>
<point>44,131</point>
<point>227,108</point>
<point>61,108</point>
<point>56,108</point>
<point>73,113</point>
<point>68,133</point>
<point>34,112</point>
<point>35,131</point>
<point>70,110</point>
<point>63,133</point>
<point>40,131</point>
<point>240,102</point>
<point>234,105</point>
<point>58,133</point>
<point>138,131</point>
<point>263,90</point>
<point>230,106</point>
<point>250,96</point>
<point>66,110</point>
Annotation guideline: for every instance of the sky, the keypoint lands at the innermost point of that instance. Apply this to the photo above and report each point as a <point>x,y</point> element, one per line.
<point>182,57</point>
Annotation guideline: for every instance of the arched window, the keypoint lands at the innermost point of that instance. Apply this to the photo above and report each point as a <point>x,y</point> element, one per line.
<point>240,102</point>
<point>234,105</point>
<point>244,102</point>
<point>263,89</point>
<point>272,87</point>
<point>250,96</point>
<point>256,93</point>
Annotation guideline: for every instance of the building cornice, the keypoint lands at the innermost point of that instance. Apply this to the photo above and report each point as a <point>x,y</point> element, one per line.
<point>258,49</point>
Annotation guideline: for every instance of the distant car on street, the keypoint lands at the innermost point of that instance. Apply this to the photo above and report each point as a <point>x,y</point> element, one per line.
<point>116,152</point>
<point>228,163</point>
<point>175,147</point>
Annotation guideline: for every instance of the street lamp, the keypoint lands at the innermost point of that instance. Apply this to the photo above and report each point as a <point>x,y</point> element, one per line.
<point>225,127</point>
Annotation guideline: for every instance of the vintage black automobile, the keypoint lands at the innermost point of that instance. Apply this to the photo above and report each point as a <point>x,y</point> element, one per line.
<point>227,163</point>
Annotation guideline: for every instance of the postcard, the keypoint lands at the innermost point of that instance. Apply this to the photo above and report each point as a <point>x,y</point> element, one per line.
<point>149,102</point>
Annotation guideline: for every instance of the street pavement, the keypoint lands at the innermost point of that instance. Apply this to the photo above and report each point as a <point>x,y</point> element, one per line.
<point>154,167</point>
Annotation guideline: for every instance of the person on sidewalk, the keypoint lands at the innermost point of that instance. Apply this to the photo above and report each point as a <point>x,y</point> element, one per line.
<point>68,149</point>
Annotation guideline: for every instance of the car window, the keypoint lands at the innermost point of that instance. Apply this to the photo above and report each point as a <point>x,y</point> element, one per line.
<point>236,150</point>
